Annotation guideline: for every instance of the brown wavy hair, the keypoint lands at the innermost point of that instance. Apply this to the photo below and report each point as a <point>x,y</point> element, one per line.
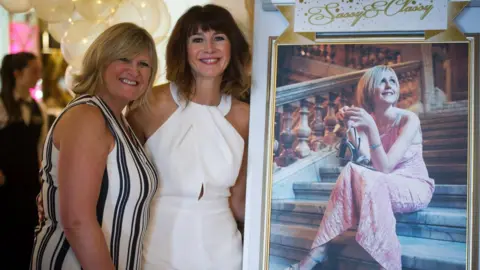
<point>235,81</point>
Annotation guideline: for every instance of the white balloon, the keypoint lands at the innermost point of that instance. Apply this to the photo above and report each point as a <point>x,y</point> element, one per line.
<point>161,72</point>
<point>58,30</point>
<point>53,10</point>
<point>96,10</point>
<point>69,81</point>
<point>144,13</point>
<point>164,24</point>
<point>16,6</point>
<point>78,38</point>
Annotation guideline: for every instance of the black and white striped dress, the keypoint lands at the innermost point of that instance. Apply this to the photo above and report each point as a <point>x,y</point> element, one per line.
<point>128,186</point>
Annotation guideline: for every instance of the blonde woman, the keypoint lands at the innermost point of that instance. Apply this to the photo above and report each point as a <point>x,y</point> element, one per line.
<point>394,181</point>
<point>98,182</point>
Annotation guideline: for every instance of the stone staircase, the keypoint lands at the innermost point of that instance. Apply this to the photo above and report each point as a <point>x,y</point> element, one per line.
<point>433,238</point>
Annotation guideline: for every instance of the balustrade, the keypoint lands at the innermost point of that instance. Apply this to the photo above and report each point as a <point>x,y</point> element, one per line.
<point>351,56</point>
<point>306,113</point>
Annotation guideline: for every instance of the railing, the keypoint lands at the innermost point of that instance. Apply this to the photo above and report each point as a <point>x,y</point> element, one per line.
<point>351,56</point>
<point>306,118</point>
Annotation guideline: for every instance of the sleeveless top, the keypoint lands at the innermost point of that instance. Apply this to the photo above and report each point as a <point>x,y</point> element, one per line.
<point>195,150</point>
<point>128,186</point>
<point>412,164</point>
<point>196,147</point>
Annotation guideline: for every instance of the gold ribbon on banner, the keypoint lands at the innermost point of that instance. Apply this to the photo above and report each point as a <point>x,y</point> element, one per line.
<point>290,36</point>
<point>452,33</point>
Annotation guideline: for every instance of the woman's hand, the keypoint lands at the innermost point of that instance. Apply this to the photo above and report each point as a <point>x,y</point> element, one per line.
<point>358,118</point>
<point>341,113</point>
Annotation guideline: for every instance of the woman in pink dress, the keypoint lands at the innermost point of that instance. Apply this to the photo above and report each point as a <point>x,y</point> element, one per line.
<point>394,181</point>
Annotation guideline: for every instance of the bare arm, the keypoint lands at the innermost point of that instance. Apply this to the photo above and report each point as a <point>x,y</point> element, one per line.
<point>238,191</point>
<point>43,132</point>
<point>84,143</point>
<point>240,120</point>
<point>384,161</point>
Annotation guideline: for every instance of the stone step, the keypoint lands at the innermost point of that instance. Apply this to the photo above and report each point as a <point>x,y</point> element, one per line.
<point>443,173</point>
<point>460,95</point>
<point>432,223</point>
<point>445,144</point>
<point>445,133</point>
<point>445,156</point>
<point>445,196</point>
<point>444,125</point>
<point>293,242</point>
<point>279,263</point>
<point>448,173</point>
<point>440,117</point>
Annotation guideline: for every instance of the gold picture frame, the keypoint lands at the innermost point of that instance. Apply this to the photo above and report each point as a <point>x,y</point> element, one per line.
<point>435,226</point>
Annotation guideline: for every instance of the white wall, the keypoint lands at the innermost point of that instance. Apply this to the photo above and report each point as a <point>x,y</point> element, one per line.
<point>272,23</point>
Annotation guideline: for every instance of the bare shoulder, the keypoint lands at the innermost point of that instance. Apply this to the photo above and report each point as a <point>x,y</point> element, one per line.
<point>83,122</point>
<point>239,116</point>
<point>161,93</point>
<point>409,118</point>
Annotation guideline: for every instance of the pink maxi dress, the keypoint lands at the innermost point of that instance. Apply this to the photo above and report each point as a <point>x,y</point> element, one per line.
<point>370,199</point>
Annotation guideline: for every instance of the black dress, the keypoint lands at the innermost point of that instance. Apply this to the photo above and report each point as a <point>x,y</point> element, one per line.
<point>19,163</point>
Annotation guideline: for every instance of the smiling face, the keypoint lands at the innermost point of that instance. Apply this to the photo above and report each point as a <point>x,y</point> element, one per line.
<point>128,78</point>
<point>387,90</point>
<point>208,54</point>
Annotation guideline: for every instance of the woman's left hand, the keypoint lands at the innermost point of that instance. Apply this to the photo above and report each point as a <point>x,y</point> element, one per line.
<point>358,118</point>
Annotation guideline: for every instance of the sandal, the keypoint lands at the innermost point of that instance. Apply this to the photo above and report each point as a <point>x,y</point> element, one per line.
<point>354,151</point>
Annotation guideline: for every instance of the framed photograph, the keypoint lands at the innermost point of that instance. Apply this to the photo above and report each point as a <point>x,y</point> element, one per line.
<point>407,198</point>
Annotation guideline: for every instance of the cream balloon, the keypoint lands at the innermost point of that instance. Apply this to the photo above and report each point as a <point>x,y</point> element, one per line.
<point>69,73</point>
<point>16,6</point>
<point>58,30</point>
<point>161,50</point>
<point>143,13</point>
<point>53,10</point>
<point>78,38</point>
<point>164,24</point>
<point>96,10</point>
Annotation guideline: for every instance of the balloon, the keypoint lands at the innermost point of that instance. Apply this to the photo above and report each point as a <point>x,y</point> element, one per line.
<point>58,30</point>
<point>53,10</point>
<point>69,72</point>
<point>164,24</point>
<point>144,13</point>
<point>161,72</point>
<point>78,38</point>
<point>16,6</point>
<point>96,10</point>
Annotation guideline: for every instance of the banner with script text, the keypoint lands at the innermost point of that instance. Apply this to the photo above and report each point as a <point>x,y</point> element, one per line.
<point>370,15</point>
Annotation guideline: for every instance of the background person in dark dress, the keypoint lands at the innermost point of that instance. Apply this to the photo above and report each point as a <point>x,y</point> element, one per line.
<point>22,127</point>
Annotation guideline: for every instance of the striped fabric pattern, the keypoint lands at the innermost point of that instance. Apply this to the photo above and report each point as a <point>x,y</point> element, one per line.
<point>128,186</point>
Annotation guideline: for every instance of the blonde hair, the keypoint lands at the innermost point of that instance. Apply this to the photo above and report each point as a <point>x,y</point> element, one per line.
<point>118,41</point>
<point>367,84</point>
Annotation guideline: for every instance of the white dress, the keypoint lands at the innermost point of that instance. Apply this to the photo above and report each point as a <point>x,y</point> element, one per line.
<point>196,147</point>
